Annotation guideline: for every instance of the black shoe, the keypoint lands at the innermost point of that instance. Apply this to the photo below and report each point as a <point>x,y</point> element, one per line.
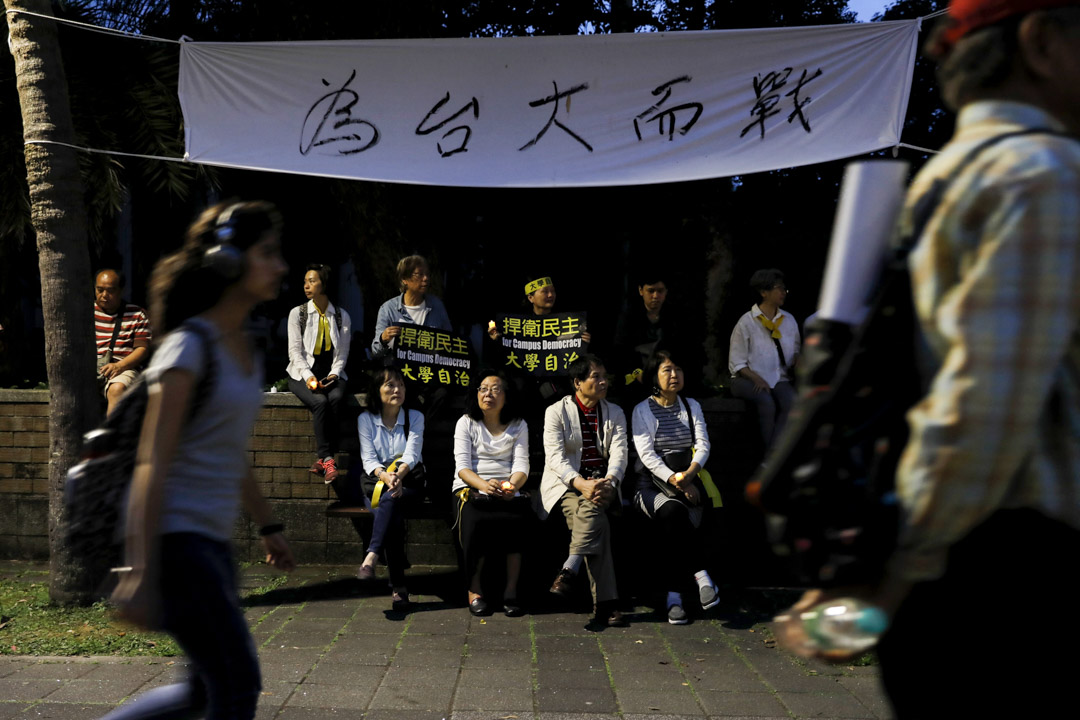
<point>478,607</point>
<point>512,608</point>
<point>564,583</point>
<point>608,614</point>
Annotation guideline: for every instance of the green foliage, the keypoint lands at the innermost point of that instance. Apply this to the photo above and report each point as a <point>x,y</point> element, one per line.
<point>30,625</point>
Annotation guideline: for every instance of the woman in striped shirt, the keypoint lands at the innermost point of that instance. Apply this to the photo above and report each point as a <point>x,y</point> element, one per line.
<point>673,445</point>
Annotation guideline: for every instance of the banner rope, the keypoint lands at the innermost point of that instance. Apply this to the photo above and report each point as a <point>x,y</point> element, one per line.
<point>92,27</point>
<point>105,152</point>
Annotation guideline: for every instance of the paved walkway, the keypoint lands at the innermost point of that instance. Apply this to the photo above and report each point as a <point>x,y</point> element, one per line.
<point>330,650</point>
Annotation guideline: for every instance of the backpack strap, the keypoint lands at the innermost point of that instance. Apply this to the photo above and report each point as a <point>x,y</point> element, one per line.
<point>690,420</point>
<point>116,332</point>
<point>208,378</point>
<point>928,203</point>
<point>302,310</point>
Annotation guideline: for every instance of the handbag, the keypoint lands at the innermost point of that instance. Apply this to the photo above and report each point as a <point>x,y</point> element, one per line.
<point>683,458</point>
<point>415,480</point>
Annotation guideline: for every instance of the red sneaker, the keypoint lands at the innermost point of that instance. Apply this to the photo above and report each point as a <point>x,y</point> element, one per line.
<point>317,468</point>
<point>329,470</point>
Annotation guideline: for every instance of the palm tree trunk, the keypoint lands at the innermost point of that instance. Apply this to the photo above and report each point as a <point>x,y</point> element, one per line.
<point>58,215</point>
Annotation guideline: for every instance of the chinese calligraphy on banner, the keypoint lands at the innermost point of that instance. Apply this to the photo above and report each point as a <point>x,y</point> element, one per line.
<point>541,345</point>
<point>545,111</point>
<point>433,357</point>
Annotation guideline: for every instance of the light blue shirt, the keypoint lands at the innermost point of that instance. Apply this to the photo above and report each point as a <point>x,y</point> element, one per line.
<point>379,445</point>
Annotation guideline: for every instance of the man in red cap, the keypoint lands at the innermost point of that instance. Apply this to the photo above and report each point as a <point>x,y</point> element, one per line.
<point>982,624</point>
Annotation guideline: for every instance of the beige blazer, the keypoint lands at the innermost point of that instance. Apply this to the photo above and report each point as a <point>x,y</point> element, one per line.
<point>562,448</point>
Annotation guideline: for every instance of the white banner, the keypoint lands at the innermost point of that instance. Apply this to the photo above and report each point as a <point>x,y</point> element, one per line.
<point>539,112</point>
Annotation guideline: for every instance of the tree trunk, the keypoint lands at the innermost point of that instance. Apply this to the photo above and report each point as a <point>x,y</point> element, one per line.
<point>58,215</point>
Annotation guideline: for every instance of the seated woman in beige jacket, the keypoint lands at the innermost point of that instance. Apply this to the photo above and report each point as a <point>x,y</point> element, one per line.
<point>585,450</point>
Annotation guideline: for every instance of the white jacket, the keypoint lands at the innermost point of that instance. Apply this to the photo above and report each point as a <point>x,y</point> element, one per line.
<point>562,447</point>
<point>301,357</point>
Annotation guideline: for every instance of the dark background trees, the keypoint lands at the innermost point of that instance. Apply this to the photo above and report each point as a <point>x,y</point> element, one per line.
<point>711,235</point>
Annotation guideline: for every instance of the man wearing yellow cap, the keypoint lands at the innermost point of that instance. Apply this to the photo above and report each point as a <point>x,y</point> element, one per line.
<point>990,480</point>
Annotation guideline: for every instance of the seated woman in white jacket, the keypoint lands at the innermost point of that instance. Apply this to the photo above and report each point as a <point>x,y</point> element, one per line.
<point>585,455</point>
<point>672,443</point>
<point>319,336</point>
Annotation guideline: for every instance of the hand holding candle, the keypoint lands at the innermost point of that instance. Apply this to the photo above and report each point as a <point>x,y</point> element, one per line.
<point>507,486</point>
<point>493,331</point>
<point>312,383</point>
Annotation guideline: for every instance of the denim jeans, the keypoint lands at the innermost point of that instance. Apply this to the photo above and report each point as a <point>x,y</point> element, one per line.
<point>201,611</point>
<point>388,531</point>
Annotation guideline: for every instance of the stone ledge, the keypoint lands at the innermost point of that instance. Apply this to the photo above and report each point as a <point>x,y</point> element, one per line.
<point>24,396</point>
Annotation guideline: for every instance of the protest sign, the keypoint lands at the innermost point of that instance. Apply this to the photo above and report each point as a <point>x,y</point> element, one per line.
<point>541,345</point>
<point>433,357</point>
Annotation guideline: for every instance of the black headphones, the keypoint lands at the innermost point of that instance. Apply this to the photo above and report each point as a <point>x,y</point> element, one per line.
<point>224,258</point>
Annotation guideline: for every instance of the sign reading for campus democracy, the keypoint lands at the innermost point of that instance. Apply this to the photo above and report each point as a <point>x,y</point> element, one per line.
<point>433,357</point>
<point>624,109</point>
<point>542,345</point>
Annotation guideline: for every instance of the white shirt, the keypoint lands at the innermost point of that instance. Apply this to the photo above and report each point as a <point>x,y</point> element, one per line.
<point>301,349</point>
<point>752,346</point>
<point>492,457</point>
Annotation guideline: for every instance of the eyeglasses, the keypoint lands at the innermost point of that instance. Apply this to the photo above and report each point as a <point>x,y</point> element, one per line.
<point>418,274</point>
<point>492,390</point>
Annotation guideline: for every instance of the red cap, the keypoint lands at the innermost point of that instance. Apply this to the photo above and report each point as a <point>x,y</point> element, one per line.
<point>966,16</point>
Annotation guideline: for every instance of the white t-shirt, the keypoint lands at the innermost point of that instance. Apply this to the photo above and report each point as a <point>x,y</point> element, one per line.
<point>202,485</point>
<point>490,456</point>
<point>418,313</point>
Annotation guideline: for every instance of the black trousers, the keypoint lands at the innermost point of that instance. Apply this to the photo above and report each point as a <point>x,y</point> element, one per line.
<point>997,636</point>
<point>325,407</point>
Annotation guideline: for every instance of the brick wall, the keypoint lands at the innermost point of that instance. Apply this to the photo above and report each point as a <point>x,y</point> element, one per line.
<point>282,448</point>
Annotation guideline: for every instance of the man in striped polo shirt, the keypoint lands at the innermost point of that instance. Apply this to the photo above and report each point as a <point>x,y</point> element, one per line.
<point>122,332</point>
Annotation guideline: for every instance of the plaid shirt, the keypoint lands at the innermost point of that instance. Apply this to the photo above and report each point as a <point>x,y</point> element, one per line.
<point>996,281</point>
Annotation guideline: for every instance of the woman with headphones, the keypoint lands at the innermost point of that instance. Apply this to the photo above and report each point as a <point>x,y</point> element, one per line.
<point>319,337</point>
<point>192,471</point>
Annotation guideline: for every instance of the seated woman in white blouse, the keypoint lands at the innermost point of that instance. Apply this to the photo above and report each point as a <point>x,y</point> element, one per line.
<point>391,440</point>
<point>491,463</point>
<point>319,337</point>
<point>761,358</point>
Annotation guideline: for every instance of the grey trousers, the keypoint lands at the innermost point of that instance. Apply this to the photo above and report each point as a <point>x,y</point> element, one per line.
<point>772,406</point>
<point>590,535</point>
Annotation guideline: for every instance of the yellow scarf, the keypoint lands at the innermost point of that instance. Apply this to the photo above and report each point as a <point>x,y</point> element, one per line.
<point>772,326</point>
<point>322,340</point>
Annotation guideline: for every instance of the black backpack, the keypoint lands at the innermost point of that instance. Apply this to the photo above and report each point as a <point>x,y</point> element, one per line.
<point>829,482</point>
<point>95,490</point>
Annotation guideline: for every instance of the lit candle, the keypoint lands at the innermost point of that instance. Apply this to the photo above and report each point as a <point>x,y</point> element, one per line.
<point>507,486</point>
<point>491,325</point>
<point>313,383</point>
<point>679,477</point>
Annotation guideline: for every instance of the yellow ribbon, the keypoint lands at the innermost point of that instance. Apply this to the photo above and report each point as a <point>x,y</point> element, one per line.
<point>322,340</point>
<point>772,326</point>
<point>537,284</point>
<point>710,488</point>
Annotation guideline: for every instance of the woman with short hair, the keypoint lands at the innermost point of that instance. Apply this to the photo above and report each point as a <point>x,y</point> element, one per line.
<point>672,443</point>
<point>414,306</point>
<point>764,346</point>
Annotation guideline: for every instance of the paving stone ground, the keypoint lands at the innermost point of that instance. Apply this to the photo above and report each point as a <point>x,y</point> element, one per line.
<point>332,648</point>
